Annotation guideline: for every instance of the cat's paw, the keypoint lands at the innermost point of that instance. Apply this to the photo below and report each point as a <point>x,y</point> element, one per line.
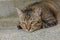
<point>52,23</point>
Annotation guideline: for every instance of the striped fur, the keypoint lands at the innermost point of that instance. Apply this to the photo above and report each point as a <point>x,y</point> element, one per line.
<point>39,15</point>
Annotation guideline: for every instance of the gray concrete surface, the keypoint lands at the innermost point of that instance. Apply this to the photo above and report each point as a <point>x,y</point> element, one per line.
<point>52,33</point>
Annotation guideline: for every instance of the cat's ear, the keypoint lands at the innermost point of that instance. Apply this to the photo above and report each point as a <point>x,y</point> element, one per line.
<point>20,13</point>
<point>37,11</point>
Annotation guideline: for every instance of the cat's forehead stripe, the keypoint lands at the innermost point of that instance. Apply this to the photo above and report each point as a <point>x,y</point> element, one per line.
<point>27,13</point>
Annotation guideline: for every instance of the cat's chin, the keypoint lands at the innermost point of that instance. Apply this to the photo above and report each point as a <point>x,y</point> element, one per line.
<point>31,30</point>
<point>28,30</point>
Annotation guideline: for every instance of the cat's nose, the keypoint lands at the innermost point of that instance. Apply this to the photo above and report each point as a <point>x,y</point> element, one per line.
<point>28,28</point>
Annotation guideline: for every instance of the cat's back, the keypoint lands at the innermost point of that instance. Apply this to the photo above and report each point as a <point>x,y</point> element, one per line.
<point>54,5</point>
<point>44,4</point>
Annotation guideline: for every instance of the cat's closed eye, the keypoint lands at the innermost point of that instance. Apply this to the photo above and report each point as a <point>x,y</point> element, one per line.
<point>37,23</point>
<point>22,23</point>
<point>32,22</point>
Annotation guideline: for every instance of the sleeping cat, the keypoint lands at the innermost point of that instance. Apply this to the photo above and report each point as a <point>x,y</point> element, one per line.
<point>38,15</point>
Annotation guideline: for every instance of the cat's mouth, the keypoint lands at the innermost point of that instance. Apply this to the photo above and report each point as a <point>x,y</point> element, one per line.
<point>28,28</point>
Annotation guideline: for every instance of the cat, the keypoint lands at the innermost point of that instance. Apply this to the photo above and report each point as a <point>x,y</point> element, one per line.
<point>38,15</point>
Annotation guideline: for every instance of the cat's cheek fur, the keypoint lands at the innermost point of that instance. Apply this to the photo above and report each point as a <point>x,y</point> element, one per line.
<point>35,28</point>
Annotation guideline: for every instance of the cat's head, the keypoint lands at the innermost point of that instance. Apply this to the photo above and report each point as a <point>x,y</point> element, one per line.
<point>30,20</point>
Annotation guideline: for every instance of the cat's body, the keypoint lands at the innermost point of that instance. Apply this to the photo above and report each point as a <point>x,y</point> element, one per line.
<point>39,15</point>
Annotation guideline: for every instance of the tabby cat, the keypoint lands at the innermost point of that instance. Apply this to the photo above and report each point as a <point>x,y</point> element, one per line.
<point>38,15</point>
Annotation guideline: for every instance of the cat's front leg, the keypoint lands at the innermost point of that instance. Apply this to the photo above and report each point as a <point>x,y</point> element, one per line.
<point>51,22</point>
